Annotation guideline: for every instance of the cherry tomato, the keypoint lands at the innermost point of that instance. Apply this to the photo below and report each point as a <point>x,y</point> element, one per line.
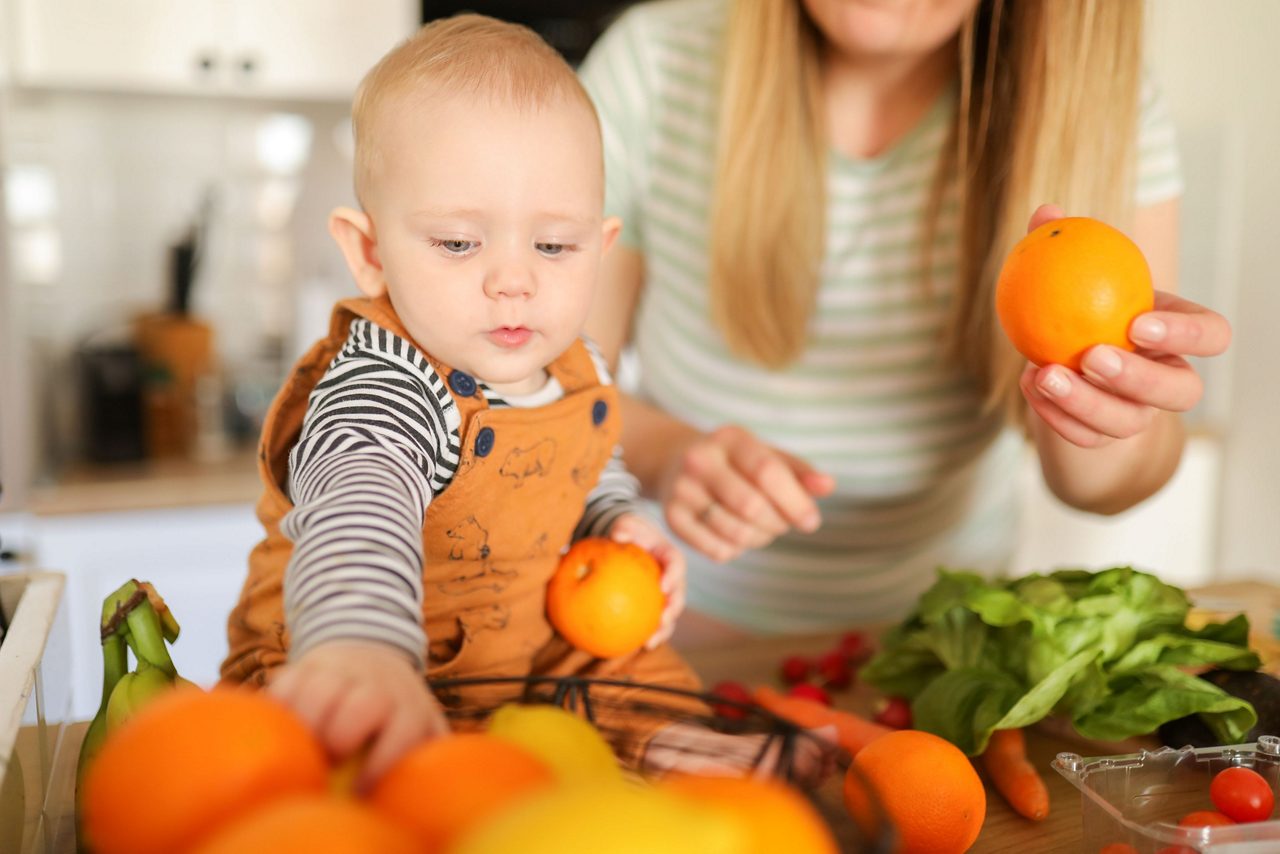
<point>1242,794</point>
<point>1204,818</point>
<point>1176,849</point>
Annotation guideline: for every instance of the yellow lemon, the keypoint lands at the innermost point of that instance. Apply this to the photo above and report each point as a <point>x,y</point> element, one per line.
<point>574,749</point>
<point>613,818</point>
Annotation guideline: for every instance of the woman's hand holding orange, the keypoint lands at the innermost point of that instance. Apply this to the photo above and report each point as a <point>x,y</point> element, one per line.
<point>1118,393</point>
<point>727,492</point>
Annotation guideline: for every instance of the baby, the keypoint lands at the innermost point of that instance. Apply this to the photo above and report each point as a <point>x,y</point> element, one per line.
<point>426,464</point>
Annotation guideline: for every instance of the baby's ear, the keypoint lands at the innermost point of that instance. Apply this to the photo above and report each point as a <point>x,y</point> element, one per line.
<point>612,228</point>
<point>353,231</point>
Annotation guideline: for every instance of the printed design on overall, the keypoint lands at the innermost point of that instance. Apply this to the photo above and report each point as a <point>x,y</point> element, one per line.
<point>534,461</point>
<point>470,543</point>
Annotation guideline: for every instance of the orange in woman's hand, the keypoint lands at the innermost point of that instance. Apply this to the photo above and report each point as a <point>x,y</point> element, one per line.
<point>192,761</point>
<point>606,598</point>
<point>1071,284</point>
<point>443,787</point>
<point>926,786</point>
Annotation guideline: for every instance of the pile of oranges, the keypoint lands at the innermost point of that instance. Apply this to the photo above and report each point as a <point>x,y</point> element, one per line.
<point>232,770</point>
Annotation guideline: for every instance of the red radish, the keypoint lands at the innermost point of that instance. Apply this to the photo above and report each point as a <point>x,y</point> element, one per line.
<point>855,646</point>
<point>835,671</point>
<point>894,712</point>
<point>795,669</point>
<point>811,692</point>
<point>735,692</point>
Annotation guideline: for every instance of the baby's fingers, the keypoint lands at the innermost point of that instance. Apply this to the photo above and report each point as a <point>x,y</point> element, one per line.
<point>1182,327</point>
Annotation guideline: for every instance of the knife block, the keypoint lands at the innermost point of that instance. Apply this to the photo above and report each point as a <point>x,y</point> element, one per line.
<point>177,350</point>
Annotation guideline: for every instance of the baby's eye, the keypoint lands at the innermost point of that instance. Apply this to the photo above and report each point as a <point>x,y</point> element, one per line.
<point>454,247</point>
<point>553,248</point>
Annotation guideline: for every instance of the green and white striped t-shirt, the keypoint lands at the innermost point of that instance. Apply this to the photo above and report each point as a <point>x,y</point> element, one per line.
<point>923,477</point>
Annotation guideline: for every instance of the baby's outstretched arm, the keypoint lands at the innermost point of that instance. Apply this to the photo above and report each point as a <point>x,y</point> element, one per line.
<point>354,693</point>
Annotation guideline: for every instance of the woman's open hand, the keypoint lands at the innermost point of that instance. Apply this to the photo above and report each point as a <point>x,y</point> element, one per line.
<point>728,491</point>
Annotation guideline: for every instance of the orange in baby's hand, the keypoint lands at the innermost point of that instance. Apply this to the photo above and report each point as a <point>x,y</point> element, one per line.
<point>606,598</point>
<point>925,785</point>
<point>443,787</point>
<point>196,760</point>
<point>1069,285</point>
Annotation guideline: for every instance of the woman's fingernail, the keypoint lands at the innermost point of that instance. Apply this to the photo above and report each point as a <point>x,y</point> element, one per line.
<point>1054,384</point>
<point>1148,330</point>
<point>811,522</point>
<point>1103,362</point>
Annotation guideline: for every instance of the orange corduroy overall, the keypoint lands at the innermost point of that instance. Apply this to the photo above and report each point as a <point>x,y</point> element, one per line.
<point>491,540</point>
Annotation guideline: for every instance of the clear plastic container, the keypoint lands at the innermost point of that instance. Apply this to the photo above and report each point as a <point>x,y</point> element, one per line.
<point>1137,799</point>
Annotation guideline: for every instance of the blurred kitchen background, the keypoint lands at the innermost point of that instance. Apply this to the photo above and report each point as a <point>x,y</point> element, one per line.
<point>167,169</point>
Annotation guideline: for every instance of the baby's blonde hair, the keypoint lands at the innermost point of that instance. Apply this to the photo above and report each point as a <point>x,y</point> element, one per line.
<point>464,54</point>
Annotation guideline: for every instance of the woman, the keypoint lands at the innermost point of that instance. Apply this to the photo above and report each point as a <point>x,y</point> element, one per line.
<point>816,196</point>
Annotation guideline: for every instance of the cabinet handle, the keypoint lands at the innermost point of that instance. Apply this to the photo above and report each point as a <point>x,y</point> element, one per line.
<point>206,62</point>
<point>248,65</point>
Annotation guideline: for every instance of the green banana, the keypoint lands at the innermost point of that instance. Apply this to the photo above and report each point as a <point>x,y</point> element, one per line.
<point>115,664</point>
<point>133,691</point>
<point>168,622</point>
<point>134,617</point>
<point>146,637</point>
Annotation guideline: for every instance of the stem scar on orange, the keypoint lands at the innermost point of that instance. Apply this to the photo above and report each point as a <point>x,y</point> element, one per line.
<point>606,598</point>
<point>1069,285</point>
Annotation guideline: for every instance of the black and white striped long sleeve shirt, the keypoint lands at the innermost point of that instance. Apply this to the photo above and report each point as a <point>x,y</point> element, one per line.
<point>380,438</point>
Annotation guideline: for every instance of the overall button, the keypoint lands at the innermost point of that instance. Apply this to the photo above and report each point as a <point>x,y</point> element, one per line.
<point>462,383</point>
<point>599,412</point>
<point>484,441</point>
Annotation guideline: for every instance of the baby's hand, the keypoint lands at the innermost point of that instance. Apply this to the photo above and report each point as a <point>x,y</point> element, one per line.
<point>635,528</point>
<point>355,692</point>
<point>693,749</point>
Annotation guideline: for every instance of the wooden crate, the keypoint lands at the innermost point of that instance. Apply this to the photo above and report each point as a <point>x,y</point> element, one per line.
<point>30,604</point>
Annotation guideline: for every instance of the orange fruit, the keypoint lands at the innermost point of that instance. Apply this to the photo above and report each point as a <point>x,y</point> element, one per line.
<point>447,785</point>
<point>190,762</point>
<point>926,787</point>
<point>775,816</point>
<point>1070,284</point>
<point>312,824</point>
<point>606,598</point>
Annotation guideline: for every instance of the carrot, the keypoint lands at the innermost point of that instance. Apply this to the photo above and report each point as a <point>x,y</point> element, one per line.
<point>1013,774</point>
<point>852,732</point>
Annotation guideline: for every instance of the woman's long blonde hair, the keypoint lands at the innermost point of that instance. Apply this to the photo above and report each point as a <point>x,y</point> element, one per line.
<point>1048,111</point>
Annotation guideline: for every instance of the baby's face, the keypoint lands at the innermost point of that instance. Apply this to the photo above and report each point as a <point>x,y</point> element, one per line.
<point>489,230</point>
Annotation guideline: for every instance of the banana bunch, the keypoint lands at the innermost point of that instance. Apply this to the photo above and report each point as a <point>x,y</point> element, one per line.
<point>134,618</point>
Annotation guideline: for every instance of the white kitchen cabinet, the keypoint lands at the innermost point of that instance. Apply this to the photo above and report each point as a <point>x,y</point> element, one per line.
<point>197,558</point>
<point>281,48</point>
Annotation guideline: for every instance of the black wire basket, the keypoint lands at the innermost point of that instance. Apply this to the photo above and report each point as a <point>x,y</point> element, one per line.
<point>469,702</point>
